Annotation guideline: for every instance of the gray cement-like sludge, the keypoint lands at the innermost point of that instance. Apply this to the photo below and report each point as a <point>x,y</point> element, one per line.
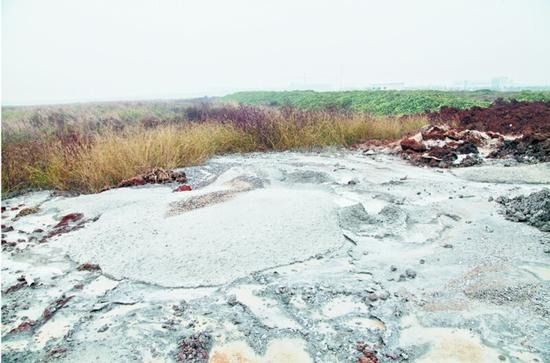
<point>333,256</point>
<point>215,244</point>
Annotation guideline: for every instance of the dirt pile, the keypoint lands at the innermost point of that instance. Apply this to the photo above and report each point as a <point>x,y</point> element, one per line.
<point>533,209</point>
<point>154,176</point>
<point>442,146</point>
<point>504,117</point>
<point>505,129</point>
<point>527,148</point>
<point>529,120</point>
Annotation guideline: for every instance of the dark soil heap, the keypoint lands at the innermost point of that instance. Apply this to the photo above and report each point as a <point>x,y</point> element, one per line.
<point>533,209</point>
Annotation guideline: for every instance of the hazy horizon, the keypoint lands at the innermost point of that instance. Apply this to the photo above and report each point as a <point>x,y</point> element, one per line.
<point>84,51</point>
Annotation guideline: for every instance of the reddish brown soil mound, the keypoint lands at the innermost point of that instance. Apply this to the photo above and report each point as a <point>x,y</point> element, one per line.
<point>443,147</point>
<point>505,117</point>
<point>154,176</point>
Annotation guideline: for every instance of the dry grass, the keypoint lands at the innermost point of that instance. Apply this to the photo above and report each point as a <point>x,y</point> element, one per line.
<point>93,161</point>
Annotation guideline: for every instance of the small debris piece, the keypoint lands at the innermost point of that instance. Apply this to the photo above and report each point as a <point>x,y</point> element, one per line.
<point>183,188</point>
<point>23,327</point>
<point>71,217</point>
<point>368,355</point>
<point>57,351</point>
<point>17,286</point>
<point>68,223</point>
<point>53,308</point>
<point>27,211</point>
<point>194,348</point>
<point>349,239</point>
<point>89,267</point>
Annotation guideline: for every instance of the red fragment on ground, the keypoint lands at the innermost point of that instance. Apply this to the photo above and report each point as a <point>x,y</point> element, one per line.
<point>368,355</point>
<point>183,188</point>
<point>53,308</point>
<point>71,217</point>
<point>24,326</point>
<point>68,223</point>
<point>412,144</point>
<point>18,286</point>
<point>88,267</point>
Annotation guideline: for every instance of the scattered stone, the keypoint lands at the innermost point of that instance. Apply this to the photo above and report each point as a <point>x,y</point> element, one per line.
<point>368,355</point>
<point>372,296</point>
<point>232,300</point>
<point>410,273</point>
<point>194,348</point>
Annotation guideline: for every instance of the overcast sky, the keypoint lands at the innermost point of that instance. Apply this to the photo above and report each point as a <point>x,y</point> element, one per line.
<point>71,50</point>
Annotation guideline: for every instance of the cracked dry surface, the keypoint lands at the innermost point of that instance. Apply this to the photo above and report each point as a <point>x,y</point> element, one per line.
<point>281,257</point>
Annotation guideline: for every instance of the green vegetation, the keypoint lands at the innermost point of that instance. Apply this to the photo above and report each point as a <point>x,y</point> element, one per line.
<point>87,147</point>
<point>381,102</point>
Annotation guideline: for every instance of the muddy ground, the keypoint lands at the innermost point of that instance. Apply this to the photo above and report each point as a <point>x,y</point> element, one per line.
<point>336,256</point>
